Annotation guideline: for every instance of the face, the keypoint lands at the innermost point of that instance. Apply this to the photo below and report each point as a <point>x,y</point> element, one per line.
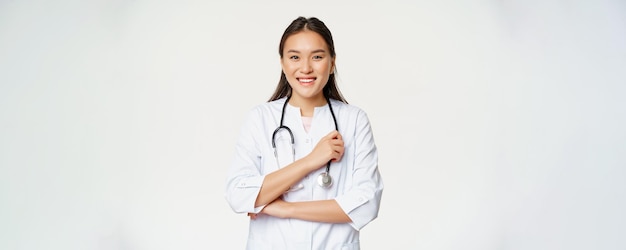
<point>307,64</point>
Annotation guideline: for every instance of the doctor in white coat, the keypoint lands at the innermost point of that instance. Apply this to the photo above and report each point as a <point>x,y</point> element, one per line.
<point>305,168</point>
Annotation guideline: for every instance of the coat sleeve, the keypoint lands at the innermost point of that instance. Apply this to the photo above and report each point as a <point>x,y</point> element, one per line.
<point>362,202</point>
<point>244,177</point>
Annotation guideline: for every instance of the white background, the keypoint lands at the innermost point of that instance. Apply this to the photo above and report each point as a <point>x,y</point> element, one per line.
<point>500,124</point>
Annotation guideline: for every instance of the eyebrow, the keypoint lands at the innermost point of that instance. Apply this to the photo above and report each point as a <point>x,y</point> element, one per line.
<point>312,52</point>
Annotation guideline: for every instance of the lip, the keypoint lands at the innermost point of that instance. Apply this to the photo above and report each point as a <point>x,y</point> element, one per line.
<point>306,81</point>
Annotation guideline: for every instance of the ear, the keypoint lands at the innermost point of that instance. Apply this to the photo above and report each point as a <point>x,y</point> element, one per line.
<point>332,66</point>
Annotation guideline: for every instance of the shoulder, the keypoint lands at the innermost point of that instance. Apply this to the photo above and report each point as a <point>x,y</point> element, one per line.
<point>351,116</point>
<point>267,107</point>
<point>262,113</point>
<point>347,109</point>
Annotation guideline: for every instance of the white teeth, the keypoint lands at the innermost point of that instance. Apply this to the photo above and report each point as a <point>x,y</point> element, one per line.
<point>306,80</point>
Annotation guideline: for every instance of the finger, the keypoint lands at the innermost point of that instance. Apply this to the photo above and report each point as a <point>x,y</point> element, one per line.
<point>337,154</point>
<point>333,134</point>
<point>252,216</point>
<point>338,138</point>
<point>337,143</point>
<point>340,152</point>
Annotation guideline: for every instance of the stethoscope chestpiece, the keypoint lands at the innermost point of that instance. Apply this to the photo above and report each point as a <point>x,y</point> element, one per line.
<point>324,180</point>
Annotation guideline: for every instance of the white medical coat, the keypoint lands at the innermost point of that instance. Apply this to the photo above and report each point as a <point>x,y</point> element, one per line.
<point>357,184</point>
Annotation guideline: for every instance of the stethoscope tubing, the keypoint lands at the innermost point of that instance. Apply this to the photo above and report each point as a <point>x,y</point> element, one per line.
<point>325,179</point>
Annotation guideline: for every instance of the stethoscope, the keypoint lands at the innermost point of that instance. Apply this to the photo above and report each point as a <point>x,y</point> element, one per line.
<point>324,179</point>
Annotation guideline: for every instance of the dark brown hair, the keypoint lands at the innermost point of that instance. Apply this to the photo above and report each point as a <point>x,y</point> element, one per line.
<point>313,24</point>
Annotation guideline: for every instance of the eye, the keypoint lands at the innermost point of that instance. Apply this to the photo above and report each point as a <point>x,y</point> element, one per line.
<point>294,57</point>
<point>318,57</point>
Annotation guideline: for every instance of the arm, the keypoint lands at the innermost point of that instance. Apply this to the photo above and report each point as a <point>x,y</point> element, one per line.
<point>359,205</point>
<point>330,147</point>
<point>362,201</point>
<point>247,190</point>
<point>278,182</point>
<point>327,211</point>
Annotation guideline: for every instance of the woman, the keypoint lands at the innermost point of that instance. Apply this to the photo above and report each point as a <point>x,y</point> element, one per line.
<point>306,166</point>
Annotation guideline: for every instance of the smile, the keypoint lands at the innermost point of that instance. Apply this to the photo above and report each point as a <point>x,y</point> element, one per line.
<point>306,80</point>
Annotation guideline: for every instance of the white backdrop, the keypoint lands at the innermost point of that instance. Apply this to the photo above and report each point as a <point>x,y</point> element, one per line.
<point>500,124</point>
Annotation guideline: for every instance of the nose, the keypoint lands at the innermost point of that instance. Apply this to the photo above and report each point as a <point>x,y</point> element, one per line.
<point>306,66</point>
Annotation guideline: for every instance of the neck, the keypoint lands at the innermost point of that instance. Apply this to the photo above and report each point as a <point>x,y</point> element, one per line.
<point>307,105</point>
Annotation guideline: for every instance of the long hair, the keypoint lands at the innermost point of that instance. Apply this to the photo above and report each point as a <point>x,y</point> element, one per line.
<point>313,24</point>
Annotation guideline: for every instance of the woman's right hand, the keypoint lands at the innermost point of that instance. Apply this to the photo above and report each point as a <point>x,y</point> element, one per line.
<point>329,148</point>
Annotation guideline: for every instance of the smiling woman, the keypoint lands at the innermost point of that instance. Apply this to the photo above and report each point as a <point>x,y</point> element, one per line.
<point>307,62</point>
<point>330,187</point>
